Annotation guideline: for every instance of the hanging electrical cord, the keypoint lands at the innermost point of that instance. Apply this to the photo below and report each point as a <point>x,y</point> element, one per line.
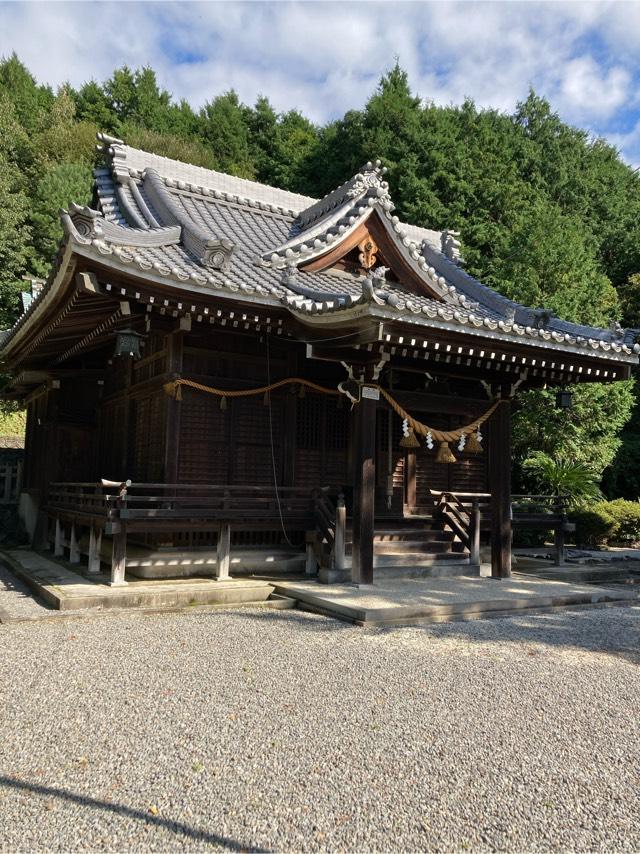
<point>273,452</point>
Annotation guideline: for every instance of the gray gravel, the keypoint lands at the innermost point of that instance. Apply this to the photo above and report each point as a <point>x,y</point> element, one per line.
<point>285,731</point>
<point>16,600</point>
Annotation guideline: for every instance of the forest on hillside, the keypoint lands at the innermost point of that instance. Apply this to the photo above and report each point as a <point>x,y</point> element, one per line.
<point>548,215</point>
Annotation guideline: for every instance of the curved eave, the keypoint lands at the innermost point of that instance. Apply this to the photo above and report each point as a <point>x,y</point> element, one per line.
<point>456,322</point>
<point>206,284</point>
<point>52,291</point>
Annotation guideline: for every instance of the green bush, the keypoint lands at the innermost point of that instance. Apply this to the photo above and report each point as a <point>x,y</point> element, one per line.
<point>627,517</point>
<point>608,523</point>
<point>594,526</point>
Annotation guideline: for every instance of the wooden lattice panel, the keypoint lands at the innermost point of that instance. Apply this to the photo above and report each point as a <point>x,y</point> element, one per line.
<point>204,445</point>
<point>148,443</point>
<point>321,442</point>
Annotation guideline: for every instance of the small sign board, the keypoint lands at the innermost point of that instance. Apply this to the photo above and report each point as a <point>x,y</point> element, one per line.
<point>370,393</point>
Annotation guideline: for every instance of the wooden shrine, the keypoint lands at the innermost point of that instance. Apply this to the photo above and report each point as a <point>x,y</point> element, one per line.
<point>214,363</point>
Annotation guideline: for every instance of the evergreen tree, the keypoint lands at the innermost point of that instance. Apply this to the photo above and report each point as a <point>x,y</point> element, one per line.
<point>14,239</point>
<point>58,187</point>
<point>224,128</point>
<point>31,101</point>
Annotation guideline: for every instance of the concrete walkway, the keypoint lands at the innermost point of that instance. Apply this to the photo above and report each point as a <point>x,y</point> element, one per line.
<point>408,600</point>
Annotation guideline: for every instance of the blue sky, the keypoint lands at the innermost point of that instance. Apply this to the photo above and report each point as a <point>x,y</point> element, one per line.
<point>324,57</point>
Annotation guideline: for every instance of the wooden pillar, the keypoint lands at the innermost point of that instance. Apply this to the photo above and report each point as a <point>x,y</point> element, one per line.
<point>474,534</point>
<point>119,556</point>
<point>339,551</point>
<point>559,543</point>
<point>175,348</point>
<point>58,543</point>
<point>290,414</point>
<point>364,482</point>
<point>74,551</point>
<point>95,544</point>
<point>223,552</point>
<point>410,474</point>
<point>500,483</point>
<point>311,564</point>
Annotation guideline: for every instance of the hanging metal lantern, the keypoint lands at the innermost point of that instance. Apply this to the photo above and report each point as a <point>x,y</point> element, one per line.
<point>128,343</point>
<point>564,399</point>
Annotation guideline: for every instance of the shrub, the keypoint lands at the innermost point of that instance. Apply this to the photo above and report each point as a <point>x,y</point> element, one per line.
<point>608,522</point>
<point>575,480</point>
<point>594,526</point>
<point>627,518</point>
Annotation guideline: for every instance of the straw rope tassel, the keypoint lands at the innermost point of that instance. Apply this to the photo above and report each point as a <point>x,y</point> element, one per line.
<point>409,441</point>
<point>473,446</point>
<point>445,454</point>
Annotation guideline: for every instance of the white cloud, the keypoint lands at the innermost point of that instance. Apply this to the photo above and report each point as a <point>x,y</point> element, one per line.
<point>587,90</point>
<point>325,57</point>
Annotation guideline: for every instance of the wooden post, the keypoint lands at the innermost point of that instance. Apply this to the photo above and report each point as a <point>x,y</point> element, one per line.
<point>223,552</point>
<point>58,543</point>
<point>8,481</point>
<point>559,544</point>
<point>474,534</point>
<point>74,551</point>
<point>364,482</point>
<point>339,558</point>
<point>119,556</point>
<point>311,564</point>
<point>19,480</point>
<point>560,532</point>
<point>175,347</point>
<point>500,481</point>
<point>95,544</point>
<point>410,470</point>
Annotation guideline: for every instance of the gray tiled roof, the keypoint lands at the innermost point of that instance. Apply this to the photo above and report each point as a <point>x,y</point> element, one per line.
<point>212,231</point>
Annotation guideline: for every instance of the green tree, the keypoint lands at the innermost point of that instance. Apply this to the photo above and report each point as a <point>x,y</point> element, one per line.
<point>224,128</point>
<point>32,102</point>
<point>58,187</point>
<point>588,433</point>
<point>14,239</point>
<point>280,145</point>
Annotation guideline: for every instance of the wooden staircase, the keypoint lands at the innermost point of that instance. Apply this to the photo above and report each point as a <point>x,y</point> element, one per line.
<point>435,542</point>
<point>407,547</point>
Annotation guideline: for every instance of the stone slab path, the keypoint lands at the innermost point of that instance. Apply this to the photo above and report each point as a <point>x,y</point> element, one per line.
<point>393,600</point>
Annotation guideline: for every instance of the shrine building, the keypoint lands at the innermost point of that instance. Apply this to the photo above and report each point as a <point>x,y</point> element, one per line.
<point>214,364</point>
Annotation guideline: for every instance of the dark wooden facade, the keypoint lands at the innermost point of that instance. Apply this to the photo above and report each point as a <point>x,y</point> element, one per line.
<point>123,426</point>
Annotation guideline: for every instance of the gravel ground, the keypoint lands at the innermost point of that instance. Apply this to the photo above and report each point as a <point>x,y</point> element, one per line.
<point>263,730</point>
<point>16,600</point>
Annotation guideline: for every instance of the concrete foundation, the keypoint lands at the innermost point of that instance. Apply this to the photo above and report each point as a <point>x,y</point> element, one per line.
<point>67,590</point>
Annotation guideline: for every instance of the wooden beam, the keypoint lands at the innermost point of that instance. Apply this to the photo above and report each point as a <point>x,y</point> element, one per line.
<point>500,486</point>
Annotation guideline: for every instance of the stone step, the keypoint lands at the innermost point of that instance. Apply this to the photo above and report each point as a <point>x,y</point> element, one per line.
<point>417,560</point>
<point>417,547</point>
<point>411,534</point>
